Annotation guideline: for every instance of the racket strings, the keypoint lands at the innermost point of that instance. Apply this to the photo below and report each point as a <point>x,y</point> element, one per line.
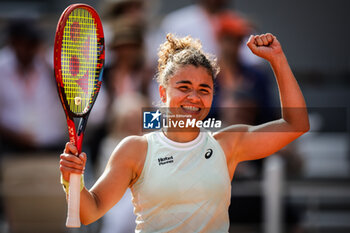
<point>79,60</point>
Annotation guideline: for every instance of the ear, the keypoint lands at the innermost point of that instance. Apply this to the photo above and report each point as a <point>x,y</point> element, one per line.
<point>162,93</point>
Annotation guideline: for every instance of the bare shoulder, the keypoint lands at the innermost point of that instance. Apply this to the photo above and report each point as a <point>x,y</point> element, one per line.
<point>131,148</point>
<point>230,133</point>
<point>131,153</point>
<point>229,137</point>
<point>132,143</point>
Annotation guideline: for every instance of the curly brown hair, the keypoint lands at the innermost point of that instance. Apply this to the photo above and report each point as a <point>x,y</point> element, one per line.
<point>176,52</point>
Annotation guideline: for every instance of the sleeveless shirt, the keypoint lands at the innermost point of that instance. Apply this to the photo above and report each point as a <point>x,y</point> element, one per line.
<point>183,187</point>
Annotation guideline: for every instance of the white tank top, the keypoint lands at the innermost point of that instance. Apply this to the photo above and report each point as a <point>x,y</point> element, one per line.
<point>183,187</point>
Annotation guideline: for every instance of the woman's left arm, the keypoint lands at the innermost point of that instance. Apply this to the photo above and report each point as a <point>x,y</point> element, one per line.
<point>245,142</point>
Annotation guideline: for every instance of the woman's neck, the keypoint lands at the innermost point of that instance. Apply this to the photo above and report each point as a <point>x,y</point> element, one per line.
<point>183,135</point>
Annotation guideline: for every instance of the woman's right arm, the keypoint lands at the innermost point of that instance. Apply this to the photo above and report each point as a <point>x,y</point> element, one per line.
<point>121,171</point>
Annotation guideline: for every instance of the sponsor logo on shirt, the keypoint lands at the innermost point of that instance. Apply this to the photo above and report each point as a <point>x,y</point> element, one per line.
<point>208,154</point>
<point>165,160</point>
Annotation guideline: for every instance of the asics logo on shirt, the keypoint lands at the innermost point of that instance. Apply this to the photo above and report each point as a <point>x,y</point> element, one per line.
<point>208,154</point>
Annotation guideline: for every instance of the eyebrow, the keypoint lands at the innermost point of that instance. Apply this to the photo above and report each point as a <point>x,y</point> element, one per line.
<point>189,82</point>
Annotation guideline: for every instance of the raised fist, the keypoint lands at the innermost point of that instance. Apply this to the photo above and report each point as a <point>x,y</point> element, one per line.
<point>265,46</point>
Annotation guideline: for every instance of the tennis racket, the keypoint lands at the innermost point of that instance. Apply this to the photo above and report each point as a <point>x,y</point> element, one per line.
<point>78,60</point>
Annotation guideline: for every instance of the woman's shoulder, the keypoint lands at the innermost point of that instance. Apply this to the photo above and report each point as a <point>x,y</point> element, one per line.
<point>131,144</point>
<point>130,152</point>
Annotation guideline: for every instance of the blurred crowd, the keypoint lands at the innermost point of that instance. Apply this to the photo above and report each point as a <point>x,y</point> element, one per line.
<point>32,120</point>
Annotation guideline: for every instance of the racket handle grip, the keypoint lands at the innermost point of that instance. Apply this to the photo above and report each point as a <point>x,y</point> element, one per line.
<point>73,215</point>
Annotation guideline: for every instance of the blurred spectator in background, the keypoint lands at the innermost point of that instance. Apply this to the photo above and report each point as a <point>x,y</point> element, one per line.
<point>114,10</point>
<point>124,74</point>
<point>127,72</point>
<point>197,20</point>
<point>241,88</point>
<point>31,117</point>
<point>243,91</point>
<point>125,25</point>
<point>242,97</point>
<point>200,21</point>
<point>121,219</point>
<point>32,128</point>
<point>126,79</point>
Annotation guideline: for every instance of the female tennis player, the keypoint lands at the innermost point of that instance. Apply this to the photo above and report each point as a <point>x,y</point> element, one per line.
<point>181,179</point>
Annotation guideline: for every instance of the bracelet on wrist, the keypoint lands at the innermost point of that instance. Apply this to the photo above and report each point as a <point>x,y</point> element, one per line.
<point>65,184</point>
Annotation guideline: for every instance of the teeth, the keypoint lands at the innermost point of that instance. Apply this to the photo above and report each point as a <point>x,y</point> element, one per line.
<point>191,108</point>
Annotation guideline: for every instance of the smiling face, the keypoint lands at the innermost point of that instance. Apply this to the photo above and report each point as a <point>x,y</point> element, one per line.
<point>189,92</point>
